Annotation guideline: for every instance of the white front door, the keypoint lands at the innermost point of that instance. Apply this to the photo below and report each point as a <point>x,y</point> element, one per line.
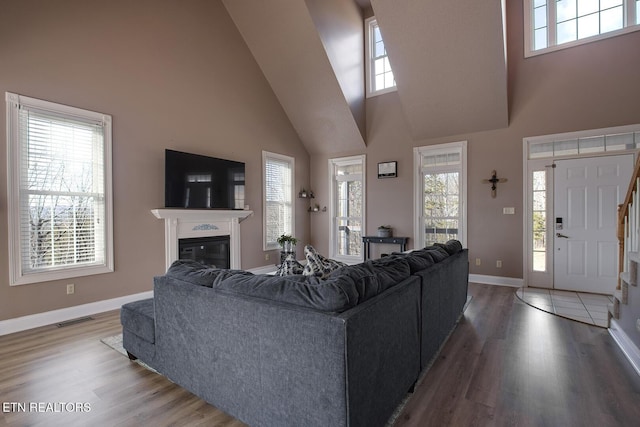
<point>587,193</point>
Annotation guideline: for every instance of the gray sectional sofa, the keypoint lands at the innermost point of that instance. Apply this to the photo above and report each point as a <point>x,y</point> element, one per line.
<point>300,350</point>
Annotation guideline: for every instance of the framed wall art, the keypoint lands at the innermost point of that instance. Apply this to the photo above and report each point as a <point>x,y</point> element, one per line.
<point>387,170</point>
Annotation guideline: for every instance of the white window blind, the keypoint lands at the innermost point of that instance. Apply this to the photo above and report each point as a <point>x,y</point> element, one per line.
<point>61,209</point>
<point>441,193</point>
<point>278,198</point>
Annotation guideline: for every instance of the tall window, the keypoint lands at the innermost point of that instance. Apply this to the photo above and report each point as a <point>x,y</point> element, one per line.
<point>59,191</point>
<point>561,23</point>
<point>278,215</point>
<point>440,193</point>
<point>539,220</point>
<point>347,207</point>
<point>378,67</point>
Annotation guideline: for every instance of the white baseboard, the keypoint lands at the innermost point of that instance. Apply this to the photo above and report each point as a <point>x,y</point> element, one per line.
<point>627,346</point>
<point>55,316</point>
<point>496,280</point>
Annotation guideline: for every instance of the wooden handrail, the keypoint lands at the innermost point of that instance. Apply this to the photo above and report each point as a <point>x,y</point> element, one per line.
<point>623,212</point>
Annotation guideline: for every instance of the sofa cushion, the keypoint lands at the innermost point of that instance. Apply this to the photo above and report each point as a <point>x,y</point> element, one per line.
<point>375,276</point>
<point>452,246</point>
<point>363,276</point>
<point>418,261</point>
<point>138,318</point>
<point>199,274</point>
<point>335,294</point>
<point>436,253</point>
<point>390,270</point>
<point>317,265</point>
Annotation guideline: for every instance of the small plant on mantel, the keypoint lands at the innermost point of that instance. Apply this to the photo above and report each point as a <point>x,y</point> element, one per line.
<point>384,231</point>
<point>287,242</point>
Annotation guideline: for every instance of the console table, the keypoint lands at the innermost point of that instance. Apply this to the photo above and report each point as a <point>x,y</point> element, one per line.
<point>368,240</point>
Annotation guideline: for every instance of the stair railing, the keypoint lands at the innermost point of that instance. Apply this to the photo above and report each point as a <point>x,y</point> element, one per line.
<point>629,223</point>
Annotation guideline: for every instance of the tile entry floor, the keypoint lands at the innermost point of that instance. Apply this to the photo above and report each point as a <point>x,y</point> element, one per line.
<point>580,306</point>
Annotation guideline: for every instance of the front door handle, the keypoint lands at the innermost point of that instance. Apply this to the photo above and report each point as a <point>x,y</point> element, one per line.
<point>562,235</point>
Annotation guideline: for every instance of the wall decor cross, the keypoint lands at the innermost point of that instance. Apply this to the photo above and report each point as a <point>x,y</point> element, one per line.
<point>494,180</point>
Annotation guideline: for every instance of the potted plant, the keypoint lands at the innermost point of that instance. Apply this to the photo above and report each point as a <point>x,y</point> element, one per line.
<point>385,231</point>
<point>287,242</point>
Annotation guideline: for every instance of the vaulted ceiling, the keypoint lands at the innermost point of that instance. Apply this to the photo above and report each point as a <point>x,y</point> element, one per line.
<point>448,58</point>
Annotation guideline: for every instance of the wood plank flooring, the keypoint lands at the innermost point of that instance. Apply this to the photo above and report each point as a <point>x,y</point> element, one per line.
<point>506,364</point>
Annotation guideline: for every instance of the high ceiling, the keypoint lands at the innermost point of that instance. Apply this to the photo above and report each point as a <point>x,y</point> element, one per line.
<point>448,58</point>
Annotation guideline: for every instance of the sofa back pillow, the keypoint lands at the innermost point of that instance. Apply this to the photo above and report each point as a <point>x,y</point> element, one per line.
<point>193,272</point>
<point>436,253</point>
<point>363,276</point>
<point>335,294</point>
<point>452,246</point>
<point>390,270</point>
<point>418,260</point>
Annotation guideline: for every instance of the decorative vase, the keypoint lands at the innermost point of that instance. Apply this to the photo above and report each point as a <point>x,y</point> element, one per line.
<point>384,232</point>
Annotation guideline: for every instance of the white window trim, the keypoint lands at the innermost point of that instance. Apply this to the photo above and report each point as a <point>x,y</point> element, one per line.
<point>16,276</point>
<point>369,49</point>
<point>268,246</point>
<point>418,152</point>
<point>332,209</point>
<point>544,279</point>
<point>629,27</point>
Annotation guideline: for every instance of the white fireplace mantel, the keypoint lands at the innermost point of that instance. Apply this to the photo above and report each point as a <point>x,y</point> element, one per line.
<point>193,223</point>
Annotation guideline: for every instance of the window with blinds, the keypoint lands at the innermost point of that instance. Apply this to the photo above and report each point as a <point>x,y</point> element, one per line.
<point>60,211</point>
<point>441,193</point>
<point>278,212</point>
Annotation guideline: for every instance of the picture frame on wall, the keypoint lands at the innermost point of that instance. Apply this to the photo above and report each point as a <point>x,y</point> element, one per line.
<point>387,169</point>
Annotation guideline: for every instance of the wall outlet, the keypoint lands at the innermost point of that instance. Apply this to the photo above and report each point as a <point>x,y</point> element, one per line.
<point>499,263</point>
<point>509,211</point>
<point>266,257</point>
<point>478,262</point>
<point>71,288</point>
<point>638,324</point>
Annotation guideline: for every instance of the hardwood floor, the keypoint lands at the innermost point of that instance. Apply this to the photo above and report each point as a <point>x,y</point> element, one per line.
<point>506,364</point>
<point>509,364</point>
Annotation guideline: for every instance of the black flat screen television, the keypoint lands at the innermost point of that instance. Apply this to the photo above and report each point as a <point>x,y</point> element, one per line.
<point>200,182</point>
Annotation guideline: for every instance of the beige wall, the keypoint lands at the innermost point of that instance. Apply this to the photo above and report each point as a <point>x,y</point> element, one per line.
<point>173,75</point>
<point>585,87</point>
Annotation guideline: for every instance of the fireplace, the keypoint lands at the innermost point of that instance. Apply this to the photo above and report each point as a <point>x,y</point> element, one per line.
<point>212,251</point>
<point>187,224</point>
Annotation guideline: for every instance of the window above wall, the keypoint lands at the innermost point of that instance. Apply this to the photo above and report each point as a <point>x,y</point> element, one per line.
<point>558,24</point>
<point>379,74</point>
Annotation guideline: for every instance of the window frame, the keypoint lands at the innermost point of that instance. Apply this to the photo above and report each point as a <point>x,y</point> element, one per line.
<point>333,236</point>
<point>14,159</point>
<point>370,24</point>
<point>418,154</point>
<point>630,24</point>
<point>266,155</point>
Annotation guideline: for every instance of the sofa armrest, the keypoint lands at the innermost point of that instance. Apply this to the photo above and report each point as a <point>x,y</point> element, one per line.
<point>383,352</point>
